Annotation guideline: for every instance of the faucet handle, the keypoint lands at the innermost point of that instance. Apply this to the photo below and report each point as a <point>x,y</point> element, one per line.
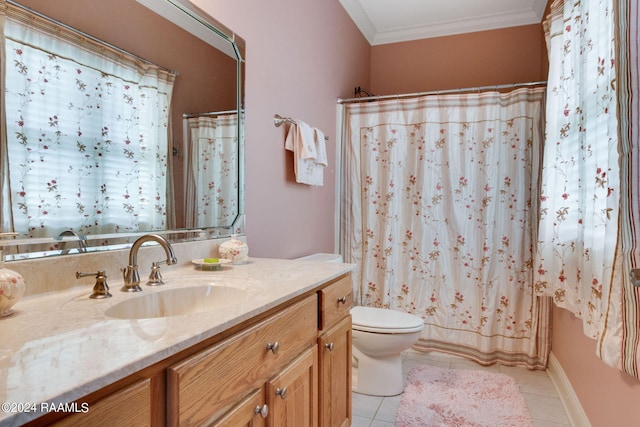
<point>101,288</point>
<point>155,277</point>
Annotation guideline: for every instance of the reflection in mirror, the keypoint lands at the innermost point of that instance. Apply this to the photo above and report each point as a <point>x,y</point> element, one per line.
<point>211,168</point>
<point>116,122</point>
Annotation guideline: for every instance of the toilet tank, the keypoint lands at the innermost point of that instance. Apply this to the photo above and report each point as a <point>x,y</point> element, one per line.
<point>322,257</point>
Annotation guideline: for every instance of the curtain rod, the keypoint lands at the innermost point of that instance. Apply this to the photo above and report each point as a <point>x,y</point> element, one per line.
<point>210,113</point>
<point>90,37</point>
<point>440,92</point>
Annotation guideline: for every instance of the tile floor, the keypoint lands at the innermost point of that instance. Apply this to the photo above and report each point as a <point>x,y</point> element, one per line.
<point>545,406</point>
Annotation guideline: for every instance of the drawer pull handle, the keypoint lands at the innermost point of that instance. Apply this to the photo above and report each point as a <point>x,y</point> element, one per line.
<point>282,392</point>
<point>262,410</point>
<point>329,346</point>
<point>342,300</point>
<point>273,347</point>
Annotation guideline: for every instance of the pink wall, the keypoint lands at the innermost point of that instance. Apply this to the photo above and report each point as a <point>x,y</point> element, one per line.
<point>301,56</point>
<point>504,56</point>
<point>607,395</point>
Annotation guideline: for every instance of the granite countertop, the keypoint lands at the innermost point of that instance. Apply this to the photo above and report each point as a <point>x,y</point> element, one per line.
<point>60,346</point>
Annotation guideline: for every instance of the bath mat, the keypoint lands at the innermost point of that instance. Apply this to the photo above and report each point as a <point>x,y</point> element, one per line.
<point>462,398</point>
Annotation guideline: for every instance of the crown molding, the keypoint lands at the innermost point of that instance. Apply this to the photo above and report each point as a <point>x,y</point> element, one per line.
<point>490,21</point>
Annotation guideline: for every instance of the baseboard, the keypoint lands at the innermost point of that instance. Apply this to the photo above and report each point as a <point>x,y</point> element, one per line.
<point>572,406</point>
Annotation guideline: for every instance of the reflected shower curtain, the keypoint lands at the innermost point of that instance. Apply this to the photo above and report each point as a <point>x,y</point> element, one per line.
<point>439,202</point>
<point>212,171</point>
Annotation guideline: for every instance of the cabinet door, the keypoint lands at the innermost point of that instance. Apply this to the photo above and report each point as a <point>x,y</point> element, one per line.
<point>128,407</point>
<point>251,412</point>
<point>335,375</point>
<point>292,395</point>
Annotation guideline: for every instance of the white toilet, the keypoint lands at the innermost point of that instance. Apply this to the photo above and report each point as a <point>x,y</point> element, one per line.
<point>379,336</point>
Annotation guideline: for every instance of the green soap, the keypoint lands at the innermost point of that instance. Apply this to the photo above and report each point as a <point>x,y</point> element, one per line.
<point>211,260</point>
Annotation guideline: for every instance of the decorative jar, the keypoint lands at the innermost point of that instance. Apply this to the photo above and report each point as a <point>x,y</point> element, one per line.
<point>12,285</point>
<point>234,249</point>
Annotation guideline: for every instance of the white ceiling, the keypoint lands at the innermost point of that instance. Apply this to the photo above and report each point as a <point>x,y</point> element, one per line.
<point>390,21</point>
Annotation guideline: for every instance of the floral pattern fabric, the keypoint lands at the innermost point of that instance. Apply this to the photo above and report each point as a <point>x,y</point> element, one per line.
<point>87,135</point>
<point>212,170</point>
<point>580,194</point>
<point>439,211</point>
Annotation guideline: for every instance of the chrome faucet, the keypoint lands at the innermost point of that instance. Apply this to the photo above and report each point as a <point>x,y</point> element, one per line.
<point>82,240</point>
<point>130,272</point>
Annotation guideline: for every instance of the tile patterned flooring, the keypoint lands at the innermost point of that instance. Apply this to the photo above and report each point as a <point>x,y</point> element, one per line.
<point>543,401</point>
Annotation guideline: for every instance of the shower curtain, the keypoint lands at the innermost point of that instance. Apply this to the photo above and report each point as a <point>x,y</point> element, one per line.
<point>212,170</point>
<point>438,213</point>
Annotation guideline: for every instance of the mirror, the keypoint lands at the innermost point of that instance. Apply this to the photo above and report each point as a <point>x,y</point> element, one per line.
<point>167,159</point>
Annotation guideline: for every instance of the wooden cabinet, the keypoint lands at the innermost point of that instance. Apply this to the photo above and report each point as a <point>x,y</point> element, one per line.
<point>289,367</point>
<point>292,395</point>
<point>203,387</point>
<point>335,375</point>
<point>128,407</point>
<point>334,302</point>
<point>250,412</point>
<point>334,346</point>
<point>288,399</point>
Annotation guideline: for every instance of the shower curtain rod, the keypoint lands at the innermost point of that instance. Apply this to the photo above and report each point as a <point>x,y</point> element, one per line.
<point>211,113</point>
<point>441,92</point>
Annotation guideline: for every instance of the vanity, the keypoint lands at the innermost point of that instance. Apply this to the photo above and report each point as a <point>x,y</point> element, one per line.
<point>276,353</point>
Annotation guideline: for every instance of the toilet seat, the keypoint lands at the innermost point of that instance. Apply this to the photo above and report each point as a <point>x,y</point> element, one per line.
<point>384,321</point>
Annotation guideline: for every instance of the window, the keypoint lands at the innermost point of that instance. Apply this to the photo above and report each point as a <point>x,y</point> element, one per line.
<point>578,229</point>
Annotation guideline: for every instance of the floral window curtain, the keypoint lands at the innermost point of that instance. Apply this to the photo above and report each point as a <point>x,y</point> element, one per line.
<point>439,209</point>
<point>212,170</point>
<point>578,230</point>
<point>75,112</point>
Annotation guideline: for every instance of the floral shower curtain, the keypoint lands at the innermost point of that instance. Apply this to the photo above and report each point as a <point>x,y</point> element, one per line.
<point>439,213</point>
<point>212,170</point>
<point>75,109</point>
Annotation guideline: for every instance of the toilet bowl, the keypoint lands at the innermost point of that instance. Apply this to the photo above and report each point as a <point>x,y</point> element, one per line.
<point>379,336</point>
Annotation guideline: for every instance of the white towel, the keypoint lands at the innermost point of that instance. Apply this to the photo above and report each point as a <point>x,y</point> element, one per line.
<point>309,152</point>
<point>321,147</point>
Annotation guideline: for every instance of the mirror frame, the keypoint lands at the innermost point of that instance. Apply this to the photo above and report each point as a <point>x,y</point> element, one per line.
<point>199,23</point>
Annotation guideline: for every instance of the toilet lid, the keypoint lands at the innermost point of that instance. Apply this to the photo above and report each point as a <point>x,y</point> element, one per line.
<point>372,319</point>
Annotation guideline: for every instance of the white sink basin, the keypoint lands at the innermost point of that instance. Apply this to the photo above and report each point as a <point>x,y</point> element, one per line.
<point>175,302</point>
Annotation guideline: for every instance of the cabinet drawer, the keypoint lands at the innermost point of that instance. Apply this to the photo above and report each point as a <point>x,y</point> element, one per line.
<point>201,386</point>
<point>335,302</point>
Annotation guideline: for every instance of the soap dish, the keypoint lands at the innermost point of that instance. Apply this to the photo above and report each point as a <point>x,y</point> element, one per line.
<point>210,266</point>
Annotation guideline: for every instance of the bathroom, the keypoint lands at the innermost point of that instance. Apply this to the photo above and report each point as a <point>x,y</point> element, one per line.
<point>330,56</point>
<point>299,67</point>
